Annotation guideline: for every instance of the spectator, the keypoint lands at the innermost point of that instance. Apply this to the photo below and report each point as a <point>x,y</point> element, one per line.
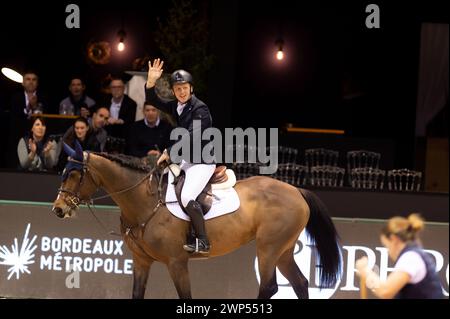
<point>23,105</point>
<point>77,103</point>
<point>122,110</point>
<point>35,151</point>
<point>81,131</point>
<point>148,135</point>
<point>97,122</point>
<point>414,275</point>
<point>28,102</point>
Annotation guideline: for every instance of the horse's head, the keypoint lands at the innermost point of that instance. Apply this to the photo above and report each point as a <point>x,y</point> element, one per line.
<point>77,183</point>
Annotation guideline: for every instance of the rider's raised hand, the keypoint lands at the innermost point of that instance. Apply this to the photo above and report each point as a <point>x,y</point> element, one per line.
<point>154,72</point>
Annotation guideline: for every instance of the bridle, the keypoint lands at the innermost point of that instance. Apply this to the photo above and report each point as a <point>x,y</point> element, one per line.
<point>73,200</point>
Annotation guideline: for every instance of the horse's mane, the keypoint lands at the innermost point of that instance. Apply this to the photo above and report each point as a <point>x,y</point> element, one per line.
<point>138,164</point>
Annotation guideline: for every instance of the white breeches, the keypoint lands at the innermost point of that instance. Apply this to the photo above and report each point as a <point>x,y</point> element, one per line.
<point>197,176</point>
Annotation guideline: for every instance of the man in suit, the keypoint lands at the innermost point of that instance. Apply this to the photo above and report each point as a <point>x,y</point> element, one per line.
<point>23,105</point>
<point>122,110</point>
<point>27,102</point>
<point>186,109</point>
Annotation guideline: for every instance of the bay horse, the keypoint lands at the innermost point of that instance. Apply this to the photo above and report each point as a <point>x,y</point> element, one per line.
<point>272,212</point>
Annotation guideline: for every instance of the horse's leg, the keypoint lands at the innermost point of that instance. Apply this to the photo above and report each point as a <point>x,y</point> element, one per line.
<point>287,266</point>
<point>268,281</point>
<point>178,270</point>
<point>141,270</point>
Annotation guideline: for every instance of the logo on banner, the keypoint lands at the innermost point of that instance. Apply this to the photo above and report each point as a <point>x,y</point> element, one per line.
<point>19,257</point>
<point>64,254</point>
<point>305,257</point>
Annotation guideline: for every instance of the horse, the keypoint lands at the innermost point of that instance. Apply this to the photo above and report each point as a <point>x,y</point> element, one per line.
<point>271,212</point>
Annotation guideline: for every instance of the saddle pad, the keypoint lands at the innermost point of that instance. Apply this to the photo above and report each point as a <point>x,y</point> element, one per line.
<point>227,201</point>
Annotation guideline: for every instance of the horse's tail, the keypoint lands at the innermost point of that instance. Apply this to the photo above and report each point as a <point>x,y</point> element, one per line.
<point>321,230</point>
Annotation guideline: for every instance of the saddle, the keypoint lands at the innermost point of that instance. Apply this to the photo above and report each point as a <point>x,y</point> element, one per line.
<point>219,180</point>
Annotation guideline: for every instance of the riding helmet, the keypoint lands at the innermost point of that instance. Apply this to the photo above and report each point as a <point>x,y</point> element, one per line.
<point>181,76</point>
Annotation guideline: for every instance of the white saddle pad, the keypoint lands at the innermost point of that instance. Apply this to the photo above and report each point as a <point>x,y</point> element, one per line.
<point>227,201</point>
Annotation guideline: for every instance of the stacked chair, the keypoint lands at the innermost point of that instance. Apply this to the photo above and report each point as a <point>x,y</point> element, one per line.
<point>323,167</point>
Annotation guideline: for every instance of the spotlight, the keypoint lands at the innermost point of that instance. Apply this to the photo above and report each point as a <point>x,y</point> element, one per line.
<point>121,34</point>
<point>12,75</point>
<point>121,46</point>
<point>280,53</point>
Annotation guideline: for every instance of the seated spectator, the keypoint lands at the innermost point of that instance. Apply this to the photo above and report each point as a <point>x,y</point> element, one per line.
<point>76,102</point>
<point>35,151</point>
<point>81,131</point>
<point>122,110</point>
<point>28,101</point>
<point>98,121</point>
<point>24,104</point>
<point>148,135</point>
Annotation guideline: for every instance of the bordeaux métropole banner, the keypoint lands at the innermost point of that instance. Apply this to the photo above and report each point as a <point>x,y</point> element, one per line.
<point>42,256</point>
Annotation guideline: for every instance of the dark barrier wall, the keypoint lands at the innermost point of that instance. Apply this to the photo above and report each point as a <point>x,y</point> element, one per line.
<point>42,256</point>
<point>341,202</point>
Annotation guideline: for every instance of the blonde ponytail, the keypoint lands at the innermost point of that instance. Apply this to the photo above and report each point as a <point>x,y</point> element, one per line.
<point>405,228</point>
<point>416,222</point>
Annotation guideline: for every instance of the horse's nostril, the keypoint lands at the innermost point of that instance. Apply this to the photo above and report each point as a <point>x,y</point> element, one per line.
<point>58,212</point>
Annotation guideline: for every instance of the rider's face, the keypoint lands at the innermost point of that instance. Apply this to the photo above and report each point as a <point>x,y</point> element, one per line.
<point>182,92</point>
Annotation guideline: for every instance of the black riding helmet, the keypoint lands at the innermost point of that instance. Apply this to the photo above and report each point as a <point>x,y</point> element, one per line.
<point>181,76</point>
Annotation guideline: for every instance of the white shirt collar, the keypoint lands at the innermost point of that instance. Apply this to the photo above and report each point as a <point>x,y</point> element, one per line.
<point>180,107</point>
<point>148,124</point>
<point>117,103</point>
<point>115,108</point>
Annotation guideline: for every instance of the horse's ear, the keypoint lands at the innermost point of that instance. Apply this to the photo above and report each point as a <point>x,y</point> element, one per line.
<point>69,151</point>
<point>78,151</point>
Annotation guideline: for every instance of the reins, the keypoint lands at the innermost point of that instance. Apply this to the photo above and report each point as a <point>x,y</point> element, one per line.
<point>74,200</point>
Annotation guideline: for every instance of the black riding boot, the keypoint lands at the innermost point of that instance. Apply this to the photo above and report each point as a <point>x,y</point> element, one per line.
<point>201,244</point>
<point>191,235</point>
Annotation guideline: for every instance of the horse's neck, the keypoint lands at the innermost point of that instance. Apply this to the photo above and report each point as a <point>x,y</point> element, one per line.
<point>134,203</point>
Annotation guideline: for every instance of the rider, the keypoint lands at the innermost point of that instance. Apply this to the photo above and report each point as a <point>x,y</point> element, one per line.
<point>185,109</point>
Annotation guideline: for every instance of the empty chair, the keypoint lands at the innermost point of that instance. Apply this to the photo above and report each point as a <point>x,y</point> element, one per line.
<point>287,155</point>
<point>323,169</point>
<point>404,180</point>
<point>367,178</point>
<point>363,159</point>
<point>321,157</point>
<point>293,174</point>
<point>327,176</point>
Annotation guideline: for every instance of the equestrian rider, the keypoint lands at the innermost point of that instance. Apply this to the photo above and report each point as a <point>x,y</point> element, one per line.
<point>185,109</point>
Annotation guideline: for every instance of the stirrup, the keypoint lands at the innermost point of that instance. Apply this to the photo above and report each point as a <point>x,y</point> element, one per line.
<point>199,247</point>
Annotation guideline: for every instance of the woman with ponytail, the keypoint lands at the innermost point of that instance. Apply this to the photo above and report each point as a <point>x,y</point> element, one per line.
<point>414,275</point>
